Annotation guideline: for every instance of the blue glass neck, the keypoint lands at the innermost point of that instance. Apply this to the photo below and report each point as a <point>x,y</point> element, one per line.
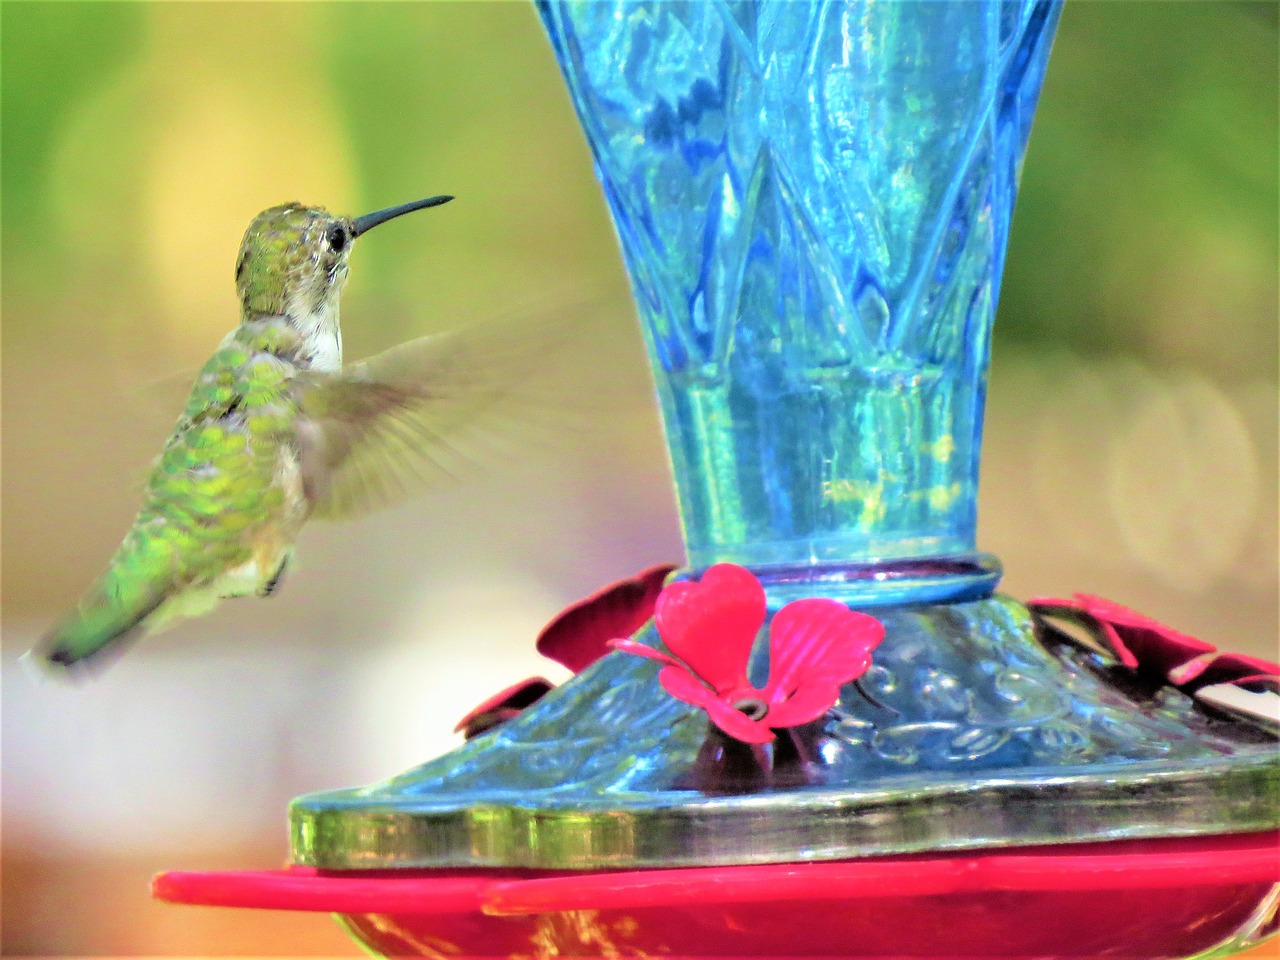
<point>813,201</point>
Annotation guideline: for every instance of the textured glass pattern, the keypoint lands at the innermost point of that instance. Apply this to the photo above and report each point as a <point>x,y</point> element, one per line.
<point>812,201</point>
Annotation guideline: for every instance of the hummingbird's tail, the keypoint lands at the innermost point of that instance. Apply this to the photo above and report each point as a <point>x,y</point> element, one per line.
<point>106,619</point>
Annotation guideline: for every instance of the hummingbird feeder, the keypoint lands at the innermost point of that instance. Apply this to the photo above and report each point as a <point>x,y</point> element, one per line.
<point>827,734</point>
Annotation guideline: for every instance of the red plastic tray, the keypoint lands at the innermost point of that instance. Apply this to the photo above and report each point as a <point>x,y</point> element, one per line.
<point>1126,899</point>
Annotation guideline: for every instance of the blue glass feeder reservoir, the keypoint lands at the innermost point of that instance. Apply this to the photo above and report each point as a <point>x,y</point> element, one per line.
<point>813,201</point>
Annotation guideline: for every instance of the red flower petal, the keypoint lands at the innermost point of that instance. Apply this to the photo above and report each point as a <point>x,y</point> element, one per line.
<point>1068,609</point>
<point>712,624</point>
<point>683,685</point>
<point>578,636</point>
<point>503,706</point>
<point>1237,668</point>
<point>1136,640</point>
<point>1153,645</point>
<point>809,702</point>
<point>818,641</point>
<point>1186,662</point>
<point>737,724</point>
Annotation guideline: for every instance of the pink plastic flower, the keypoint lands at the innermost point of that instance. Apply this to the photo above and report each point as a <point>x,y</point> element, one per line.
<point>1149,646</point>
<point>577,637</point>
<point>815,645</point>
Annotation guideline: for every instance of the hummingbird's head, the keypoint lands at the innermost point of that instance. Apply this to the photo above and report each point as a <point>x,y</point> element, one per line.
<point>293,259</point>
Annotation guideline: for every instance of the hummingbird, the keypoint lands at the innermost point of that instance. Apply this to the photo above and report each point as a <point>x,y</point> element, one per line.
<point>277,431</point>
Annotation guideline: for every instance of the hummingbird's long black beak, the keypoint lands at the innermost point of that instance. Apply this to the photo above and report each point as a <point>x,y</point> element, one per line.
<point>370,220</point>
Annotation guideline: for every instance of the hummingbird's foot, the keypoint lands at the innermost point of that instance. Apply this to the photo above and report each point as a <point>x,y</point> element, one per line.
<point>268,588</point>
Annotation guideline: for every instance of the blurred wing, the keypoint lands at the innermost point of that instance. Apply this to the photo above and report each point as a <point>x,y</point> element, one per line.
<point>424,411</point>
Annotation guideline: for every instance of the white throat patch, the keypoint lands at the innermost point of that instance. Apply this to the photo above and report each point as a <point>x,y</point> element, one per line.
<point>322,334</point>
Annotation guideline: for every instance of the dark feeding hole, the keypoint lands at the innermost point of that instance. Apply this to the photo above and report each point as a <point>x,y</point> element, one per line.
<point>753,708</point>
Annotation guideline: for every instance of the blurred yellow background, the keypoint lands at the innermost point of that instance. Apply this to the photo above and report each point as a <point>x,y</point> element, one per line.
<point>1131,428</point>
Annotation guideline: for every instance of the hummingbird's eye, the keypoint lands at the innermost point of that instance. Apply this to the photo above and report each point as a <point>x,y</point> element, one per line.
<point>337,237</point>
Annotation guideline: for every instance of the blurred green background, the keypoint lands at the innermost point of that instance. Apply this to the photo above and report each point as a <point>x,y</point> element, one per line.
<point>1131,428</point>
